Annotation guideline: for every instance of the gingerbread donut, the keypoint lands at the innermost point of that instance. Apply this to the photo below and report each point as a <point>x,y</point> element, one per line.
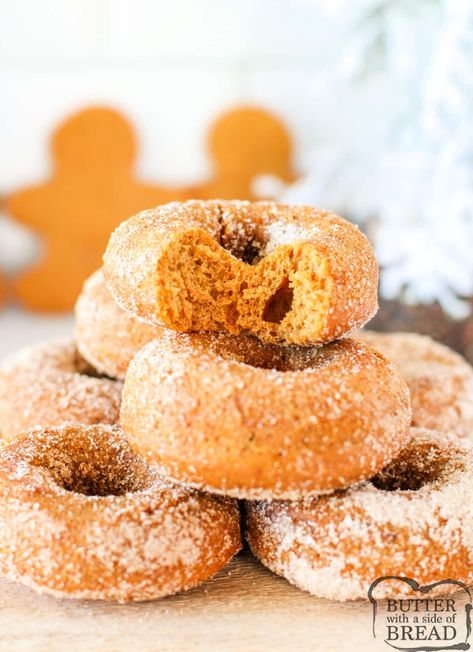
<point>107,336</point>
<point>414,520</point>
<point>291,274</point>
<point>82,516</point>
<point>235,416</point>
<point>49,384</point>
<point>440,381</point>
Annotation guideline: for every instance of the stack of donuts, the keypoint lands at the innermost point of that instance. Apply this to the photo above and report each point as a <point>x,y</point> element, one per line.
<point>212,371</point>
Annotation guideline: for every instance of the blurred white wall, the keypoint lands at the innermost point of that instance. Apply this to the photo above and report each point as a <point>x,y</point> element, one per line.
<point>172,67</point>
<point>350,79</point>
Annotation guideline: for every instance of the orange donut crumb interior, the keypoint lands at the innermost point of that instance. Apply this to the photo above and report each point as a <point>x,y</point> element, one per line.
<point>217,286</point>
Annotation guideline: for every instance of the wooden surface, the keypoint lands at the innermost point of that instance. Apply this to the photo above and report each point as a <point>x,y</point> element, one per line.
<point>244,608</point>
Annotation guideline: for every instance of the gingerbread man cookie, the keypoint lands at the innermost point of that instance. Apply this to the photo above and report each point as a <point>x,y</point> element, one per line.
<point>244,144</point>
<point>92,189</point>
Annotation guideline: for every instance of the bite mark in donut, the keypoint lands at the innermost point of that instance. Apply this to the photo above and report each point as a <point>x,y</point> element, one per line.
<point>207,288</point>
<point>277,306</point>
<point>291,274</point>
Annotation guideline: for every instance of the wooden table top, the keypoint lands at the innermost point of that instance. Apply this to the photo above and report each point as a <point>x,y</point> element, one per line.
<point>244,608</point>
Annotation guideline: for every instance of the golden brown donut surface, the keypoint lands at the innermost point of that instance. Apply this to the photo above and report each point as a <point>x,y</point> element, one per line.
<point>440,381</point>
<point>50,384</point>
<point>82,516</point>
<point>254,420</point>
<point>107,336</point>
<point>414,519</point>
<point>291,274</point>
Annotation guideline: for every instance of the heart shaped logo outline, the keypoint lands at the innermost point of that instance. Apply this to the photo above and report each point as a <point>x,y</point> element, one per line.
<point>423,589</point>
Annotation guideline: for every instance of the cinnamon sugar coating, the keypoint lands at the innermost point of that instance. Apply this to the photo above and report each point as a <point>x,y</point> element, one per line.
<point>50,384</point>
<point>413,519</point>
<point>440,381</point>
<point>82,516</point>
<point>252,420</point>
<point>291,274</point>
<point>107,336</point>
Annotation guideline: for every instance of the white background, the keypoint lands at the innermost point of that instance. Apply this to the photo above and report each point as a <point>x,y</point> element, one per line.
<point>171,67</point>
<point>376,93</point>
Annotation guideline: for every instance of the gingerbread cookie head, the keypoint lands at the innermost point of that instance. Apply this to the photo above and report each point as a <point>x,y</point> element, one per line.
<point>244,144</point>
<point>91,140</point>
<point>92,189</point>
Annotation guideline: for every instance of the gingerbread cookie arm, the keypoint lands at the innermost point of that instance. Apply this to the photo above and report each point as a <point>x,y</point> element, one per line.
<point>28,206</point>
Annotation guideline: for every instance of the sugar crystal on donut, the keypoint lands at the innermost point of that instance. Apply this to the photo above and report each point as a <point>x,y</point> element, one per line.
<point>50,384</point>
<point>107,336</point>
<point>412,519</point>
<point>83,516</point>
<point>440,381</point>
<point>288,274</point>
<point>239,417</point>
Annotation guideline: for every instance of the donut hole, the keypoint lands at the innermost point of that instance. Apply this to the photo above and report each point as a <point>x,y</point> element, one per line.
<point>101,478</point>
<point>243,281</point>
<point>419,464</point>
<point>243,240</point>
<point>83,368</point>
<point>254,353</point>
<point>248,252</point>
<point>97,462</point>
